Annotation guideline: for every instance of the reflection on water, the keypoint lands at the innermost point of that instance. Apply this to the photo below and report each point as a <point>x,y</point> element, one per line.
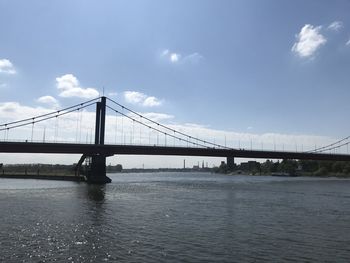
<point>96,192</point>
<point>176,217</point>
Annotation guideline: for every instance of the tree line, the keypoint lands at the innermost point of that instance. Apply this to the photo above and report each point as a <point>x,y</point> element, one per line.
<point>291,167</point>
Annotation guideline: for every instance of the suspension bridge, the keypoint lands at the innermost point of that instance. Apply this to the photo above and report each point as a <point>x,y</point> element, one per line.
<point>141,136</point>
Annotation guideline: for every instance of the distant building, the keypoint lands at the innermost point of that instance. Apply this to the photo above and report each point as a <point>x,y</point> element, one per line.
<point>195,167</point>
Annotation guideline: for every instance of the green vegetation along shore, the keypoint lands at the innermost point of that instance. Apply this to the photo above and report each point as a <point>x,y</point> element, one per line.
<point>276,168</point>
<point>289,168</point>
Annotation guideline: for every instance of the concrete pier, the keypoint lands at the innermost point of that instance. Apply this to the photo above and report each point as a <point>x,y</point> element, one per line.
<point>230,163</point>
<point>97,170</point>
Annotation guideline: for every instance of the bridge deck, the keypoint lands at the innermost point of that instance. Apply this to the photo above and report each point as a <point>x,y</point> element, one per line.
<point>73,148</point>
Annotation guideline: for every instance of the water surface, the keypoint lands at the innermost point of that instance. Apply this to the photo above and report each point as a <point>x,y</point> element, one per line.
<point>176,217</point>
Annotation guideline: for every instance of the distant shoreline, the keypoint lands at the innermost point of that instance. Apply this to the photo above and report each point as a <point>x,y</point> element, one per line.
<point>44,177</point>
<point>67,175</point>
<point>73,178</point>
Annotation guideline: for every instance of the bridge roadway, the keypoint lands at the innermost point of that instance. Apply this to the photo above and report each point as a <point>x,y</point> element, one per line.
<point>109,150</point>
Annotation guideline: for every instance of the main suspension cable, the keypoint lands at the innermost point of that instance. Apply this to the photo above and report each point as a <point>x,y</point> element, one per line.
<point>170,129</point>
<point>155,129</point>
<point>58,114</point>
<point>325,148</point>
<point>331,148</point>
<point>48,114</point>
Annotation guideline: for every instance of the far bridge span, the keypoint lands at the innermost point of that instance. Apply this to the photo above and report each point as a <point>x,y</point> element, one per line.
<point>109,150</point>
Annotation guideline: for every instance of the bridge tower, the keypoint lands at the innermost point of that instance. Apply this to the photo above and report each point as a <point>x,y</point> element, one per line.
<point>97,171</point>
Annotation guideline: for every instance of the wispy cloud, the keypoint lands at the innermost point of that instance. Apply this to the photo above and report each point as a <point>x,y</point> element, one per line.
<point>16,111</point>
<point>112,94</point>
<point>177,58</point>
<point>139,98</point>
<point>155,116</point>
<point>172,57</point>
<point>151,102</point>
<point>7,67</point>
<point>193,58</point>
<point>336,26</point>
<point>309,40</point>
<point>49,101</point>
<point>348,43</point>
<point>69,86</point>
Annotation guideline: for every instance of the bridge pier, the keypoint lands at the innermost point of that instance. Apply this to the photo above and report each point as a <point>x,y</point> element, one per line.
<point>97,171</point>
<point>230,163</point>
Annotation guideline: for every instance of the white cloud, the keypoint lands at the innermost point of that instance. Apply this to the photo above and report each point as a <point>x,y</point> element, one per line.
<point>69,86</point>
<point>3,85</point>
<point>7,67</point>
<point>151,102</point>
<point>48,100</point>
<point>348,43</point>
<point>177,58</point>
<point>308,41</point>
<point>16,111</point>
<point>174,57</point>
<point>336,26</point>
<point>136,97</point>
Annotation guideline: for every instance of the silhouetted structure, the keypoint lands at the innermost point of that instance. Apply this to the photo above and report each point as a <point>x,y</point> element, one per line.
<point>230,163</point>
<point>96,170</point>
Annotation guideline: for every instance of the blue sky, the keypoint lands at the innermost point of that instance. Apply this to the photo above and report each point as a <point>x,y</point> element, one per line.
<point>256,67</point>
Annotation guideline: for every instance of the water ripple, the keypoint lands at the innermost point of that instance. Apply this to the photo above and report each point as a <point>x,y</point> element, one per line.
<point>169,217</point>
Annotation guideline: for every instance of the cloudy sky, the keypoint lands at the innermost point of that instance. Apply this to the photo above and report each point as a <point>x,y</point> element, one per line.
<point>251,71</point>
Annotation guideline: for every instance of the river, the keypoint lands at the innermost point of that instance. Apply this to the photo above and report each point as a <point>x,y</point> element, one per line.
<point>176,217</point>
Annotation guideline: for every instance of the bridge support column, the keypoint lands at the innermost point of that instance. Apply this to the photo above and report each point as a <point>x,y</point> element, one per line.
<point>230,163</point>
<point>97,171</point>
